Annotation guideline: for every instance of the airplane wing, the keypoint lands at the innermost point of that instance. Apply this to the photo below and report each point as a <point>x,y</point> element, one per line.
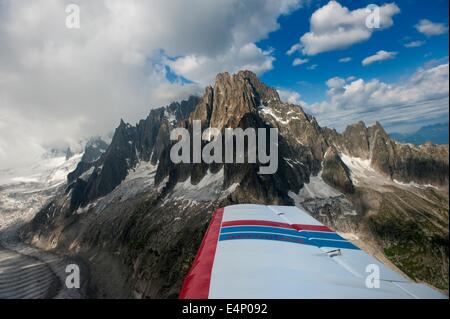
<point>271,252</point>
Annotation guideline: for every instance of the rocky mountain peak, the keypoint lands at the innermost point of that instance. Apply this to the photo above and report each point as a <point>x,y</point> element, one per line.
<point>356,140</point>
<point>94,149</point>
<point>378,129</point>
<point>232,97</point>
<point>203,110</point>
<point>247,82</point>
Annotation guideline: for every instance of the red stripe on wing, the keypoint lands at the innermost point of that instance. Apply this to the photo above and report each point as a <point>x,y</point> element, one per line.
<point>256,223</point>
<point>297,227</point>
<point>197,282</point>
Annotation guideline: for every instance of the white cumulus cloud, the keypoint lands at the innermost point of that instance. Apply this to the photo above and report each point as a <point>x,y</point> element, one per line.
<point>290,96</point>
<point>419,100</point>
<point>335,27</point>
<point>345,60</point>
<point>430,28</point>
<point>414,44</point>
<point>295,48</point>
<point>202,69</point>
<point>381,55</point>
<point>299,61</point>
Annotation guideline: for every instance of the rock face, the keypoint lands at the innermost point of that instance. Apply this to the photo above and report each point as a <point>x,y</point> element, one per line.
<point>233,97</point>
<point>93,150</point>
<point>133,208</point>
<point>335,172</point>
<point>424,164</point>
<point>130,144</point>
<point>238,101</point>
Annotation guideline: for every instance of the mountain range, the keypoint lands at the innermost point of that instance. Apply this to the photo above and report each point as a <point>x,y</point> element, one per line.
<point>436,133</point>
<point>136,219</point>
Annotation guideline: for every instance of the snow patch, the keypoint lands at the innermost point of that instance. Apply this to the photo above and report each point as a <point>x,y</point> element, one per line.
<point>82,210</point>
<point>85,176</point>
<point>138,180</point>
<point>209,189</point>
<point>363,174</point>
<point>291,162</point>
<point>315,189</point>
<point>270,111</point>
<point>170,117</point>
<point>414,184</point>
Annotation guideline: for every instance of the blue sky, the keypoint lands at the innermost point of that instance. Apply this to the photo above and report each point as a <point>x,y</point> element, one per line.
<point>67,84</point>
<point>311,84</point>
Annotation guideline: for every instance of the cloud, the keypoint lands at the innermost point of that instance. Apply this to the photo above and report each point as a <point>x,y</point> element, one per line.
<point>429,28</point>
<point>202,69</point>
<point>334,27</point>
<point>419,100</point>
<point>63,84</point>
<point>335,85</point>
<point>378,57</point>
<point>312,67</point>
<point>335,82</point>
<point>254,21</point>
<point>345,60</point>
<point>290,97</point>
<point>295,48</point>
<point>414,44</point>
<point>299,61</point>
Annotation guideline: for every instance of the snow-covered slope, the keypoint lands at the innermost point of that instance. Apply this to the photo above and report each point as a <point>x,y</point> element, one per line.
<point>316,188</point>
<point>209,189</point>
<point>27,272</point>
<point>23,191</point>
<point>139,180</point>
<point>363,174</point>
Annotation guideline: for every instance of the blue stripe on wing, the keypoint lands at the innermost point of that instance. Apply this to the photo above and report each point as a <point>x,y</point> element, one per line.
<point>313,238</point>
<point>278,230</point>
<point>292,239</point>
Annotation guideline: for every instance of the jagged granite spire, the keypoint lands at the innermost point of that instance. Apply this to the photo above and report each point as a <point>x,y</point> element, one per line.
<point>231,97</point>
